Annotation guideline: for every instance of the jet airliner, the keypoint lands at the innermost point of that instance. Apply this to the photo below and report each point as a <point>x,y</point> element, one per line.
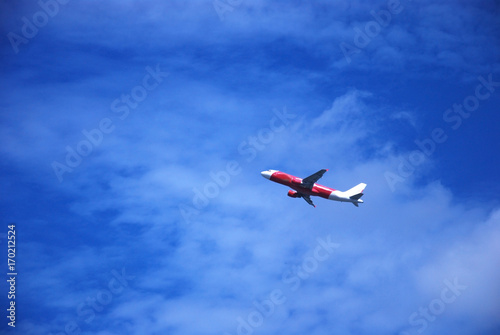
<point>304,188</point>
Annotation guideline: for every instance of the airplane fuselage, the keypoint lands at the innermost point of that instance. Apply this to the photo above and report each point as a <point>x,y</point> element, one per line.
<point>294,183</point>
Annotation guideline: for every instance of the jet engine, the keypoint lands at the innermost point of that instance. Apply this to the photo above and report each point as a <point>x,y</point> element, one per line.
<point>293,194</point>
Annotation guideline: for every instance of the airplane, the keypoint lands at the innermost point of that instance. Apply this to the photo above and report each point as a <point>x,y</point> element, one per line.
<point>304,188</point>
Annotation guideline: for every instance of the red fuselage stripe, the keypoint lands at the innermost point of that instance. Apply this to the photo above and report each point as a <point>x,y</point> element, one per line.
<point>294,183</point>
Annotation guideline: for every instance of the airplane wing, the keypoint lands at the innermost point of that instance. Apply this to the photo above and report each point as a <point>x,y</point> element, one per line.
<point>308,182</point>
<point>307,198</point>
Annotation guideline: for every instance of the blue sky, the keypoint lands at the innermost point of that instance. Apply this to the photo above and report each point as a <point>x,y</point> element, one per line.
<point>134,132</point>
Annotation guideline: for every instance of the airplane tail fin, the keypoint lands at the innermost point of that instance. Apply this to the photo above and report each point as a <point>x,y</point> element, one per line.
<point>356,193</point>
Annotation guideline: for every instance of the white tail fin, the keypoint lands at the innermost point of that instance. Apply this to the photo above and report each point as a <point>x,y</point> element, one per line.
<point>355,190</point>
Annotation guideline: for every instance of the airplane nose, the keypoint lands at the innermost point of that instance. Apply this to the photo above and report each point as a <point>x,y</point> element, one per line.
<point>266,174</point>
